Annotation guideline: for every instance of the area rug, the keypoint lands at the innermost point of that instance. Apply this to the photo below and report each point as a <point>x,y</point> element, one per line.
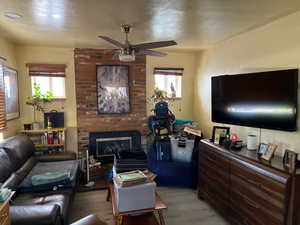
<point>183,207</point>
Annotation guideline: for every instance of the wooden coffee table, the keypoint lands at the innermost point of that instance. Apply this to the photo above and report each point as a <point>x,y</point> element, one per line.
<point>147,217</point>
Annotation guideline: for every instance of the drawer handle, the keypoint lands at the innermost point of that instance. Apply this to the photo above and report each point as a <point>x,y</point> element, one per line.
<point>249,202</point>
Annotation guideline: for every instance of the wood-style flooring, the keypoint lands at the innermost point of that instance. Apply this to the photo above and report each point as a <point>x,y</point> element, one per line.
<point>183,207</point>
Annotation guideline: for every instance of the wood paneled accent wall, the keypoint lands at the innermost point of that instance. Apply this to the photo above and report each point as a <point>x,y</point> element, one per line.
<point>88,120</point>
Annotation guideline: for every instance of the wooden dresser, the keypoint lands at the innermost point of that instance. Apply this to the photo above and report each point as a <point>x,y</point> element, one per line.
<point>4,212</point>
<point>248,190</point>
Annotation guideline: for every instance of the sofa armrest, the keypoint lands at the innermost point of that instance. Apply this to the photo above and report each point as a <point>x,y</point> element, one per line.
<point>57,157</point>
<point>35,214</point>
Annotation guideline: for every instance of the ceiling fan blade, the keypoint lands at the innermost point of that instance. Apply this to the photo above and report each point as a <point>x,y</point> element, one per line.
<point>114,42</point>
<point>158,44</point>
<point>152,53</point>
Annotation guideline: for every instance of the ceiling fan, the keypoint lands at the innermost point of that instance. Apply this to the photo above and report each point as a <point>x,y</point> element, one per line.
<point>127,51</point>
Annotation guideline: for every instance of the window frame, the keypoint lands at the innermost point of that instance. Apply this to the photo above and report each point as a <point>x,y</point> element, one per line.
<point>50,71</point>
<point>55,98</point>
<point>170,72</point>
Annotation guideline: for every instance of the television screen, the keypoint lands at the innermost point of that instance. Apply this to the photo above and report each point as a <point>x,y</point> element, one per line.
<point>264,100</point>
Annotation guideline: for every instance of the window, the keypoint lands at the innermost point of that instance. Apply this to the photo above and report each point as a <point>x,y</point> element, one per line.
<point>50,77</point>
<point>169,80</point>
<point>54,84</point>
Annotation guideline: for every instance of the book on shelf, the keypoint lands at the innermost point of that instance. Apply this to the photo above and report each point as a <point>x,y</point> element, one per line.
<point>48,138</point>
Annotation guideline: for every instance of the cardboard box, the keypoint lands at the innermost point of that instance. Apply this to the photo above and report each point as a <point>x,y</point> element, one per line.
<point>135,197</point>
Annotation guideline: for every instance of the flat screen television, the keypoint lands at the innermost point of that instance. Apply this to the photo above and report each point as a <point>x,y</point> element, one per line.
<point>264,100</point>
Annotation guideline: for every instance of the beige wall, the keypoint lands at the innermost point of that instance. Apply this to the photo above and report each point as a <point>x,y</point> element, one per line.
<point>7,50</point>
<point>30,54</point>
<point>182,108</point>
<point>271,47</point>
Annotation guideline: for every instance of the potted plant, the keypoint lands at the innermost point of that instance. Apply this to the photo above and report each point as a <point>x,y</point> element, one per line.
<point>38,101</point>
<point>157,96</point>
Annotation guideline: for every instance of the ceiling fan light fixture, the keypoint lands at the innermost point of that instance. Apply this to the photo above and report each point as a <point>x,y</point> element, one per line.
<point>126,57</point>
<point>12,15</point>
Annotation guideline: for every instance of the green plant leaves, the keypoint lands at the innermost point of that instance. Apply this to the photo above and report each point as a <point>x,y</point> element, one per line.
<point>37,100</point>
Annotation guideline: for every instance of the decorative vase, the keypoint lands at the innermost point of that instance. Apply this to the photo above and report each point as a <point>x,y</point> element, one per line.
<point>36,126</point>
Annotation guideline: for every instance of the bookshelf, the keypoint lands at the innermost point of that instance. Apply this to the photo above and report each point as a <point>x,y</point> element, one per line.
<point>48,140</point>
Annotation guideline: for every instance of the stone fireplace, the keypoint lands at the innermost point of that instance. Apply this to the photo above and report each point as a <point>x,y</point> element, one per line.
<point>88,119</point>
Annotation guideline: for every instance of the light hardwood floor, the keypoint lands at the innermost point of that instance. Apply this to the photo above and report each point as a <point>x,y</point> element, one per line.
<point>183,207</point>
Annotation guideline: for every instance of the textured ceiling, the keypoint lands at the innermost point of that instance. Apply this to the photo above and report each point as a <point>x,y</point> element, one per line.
<point>194,24</point>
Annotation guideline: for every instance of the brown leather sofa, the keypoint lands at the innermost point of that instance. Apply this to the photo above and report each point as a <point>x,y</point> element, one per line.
<point>50,207</point>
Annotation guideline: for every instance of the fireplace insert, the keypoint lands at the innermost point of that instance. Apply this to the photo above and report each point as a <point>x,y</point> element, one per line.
<point>103,145</point>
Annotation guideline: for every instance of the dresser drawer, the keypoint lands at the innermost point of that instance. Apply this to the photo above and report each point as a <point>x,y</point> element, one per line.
<point>239,217</point>
<point>273,185</point>
<point>257,195</point>
<point>211,171</point>
<point>215,195</point>
<point>219,185</point>
<point>4,214</point>
<point>214,173</point>
<point>209,154</point>
<point>252,212</point>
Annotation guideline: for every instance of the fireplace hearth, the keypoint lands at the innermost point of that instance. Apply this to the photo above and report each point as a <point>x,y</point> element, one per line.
<point>103,145</point>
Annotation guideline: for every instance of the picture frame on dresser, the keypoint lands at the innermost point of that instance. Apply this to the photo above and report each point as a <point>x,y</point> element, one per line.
<point>261,149</point>
<point>219,134</point>
<point>290,160</point>
<point>269,152</point>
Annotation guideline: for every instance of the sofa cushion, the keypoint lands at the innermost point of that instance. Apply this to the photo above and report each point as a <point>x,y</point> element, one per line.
<point>62,200</point>
<point>35,214</point>
<point>19,149</point>
<point>6,168</point>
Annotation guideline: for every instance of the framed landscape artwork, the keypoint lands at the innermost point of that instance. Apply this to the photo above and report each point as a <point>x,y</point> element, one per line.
<point>11,93</point>
<point>113,89</point>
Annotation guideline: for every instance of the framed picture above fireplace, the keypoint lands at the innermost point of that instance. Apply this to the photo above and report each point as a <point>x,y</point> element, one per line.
<point>113,95</point>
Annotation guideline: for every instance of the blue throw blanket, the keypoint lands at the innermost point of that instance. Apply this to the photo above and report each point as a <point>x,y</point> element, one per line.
<point>62,174</point>
<point>50,177</point>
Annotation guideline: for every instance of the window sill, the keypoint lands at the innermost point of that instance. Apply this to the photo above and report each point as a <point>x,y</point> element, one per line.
<point>59,99</point>
<point>176,99</point>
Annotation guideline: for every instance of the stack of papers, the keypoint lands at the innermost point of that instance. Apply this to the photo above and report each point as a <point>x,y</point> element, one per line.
<point>130,178</point>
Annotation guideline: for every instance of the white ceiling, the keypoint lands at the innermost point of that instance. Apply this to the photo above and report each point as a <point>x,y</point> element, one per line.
<point>194,24</point>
